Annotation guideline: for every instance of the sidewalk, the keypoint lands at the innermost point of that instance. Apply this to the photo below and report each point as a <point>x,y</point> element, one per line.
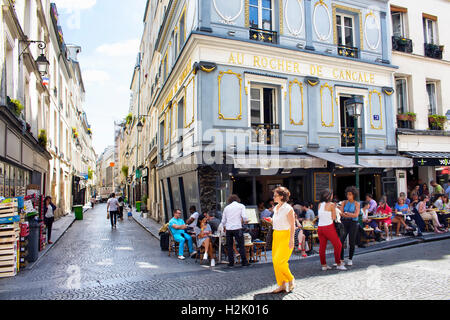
<point>59,228</point>
<point>153,228</point>
<point>147,223</point>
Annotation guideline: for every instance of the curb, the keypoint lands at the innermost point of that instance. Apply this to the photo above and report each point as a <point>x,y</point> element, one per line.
<point>157,237</point>
<point>31,265</point>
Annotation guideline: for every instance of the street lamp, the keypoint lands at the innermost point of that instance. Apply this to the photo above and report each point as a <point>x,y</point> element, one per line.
<point>354,108</point>
<point>42,64</point>
<point>140,126</point>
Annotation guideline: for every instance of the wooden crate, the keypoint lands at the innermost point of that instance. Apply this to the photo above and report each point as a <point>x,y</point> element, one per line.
<point>8,239</point>
<point>8,271</point>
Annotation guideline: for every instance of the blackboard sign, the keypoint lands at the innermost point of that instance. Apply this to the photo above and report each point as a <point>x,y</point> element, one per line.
<point>322,181</point>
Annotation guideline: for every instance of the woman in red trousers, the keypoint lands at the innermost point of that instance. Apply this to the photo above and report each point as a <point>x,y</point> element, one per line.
<point>327,230</point>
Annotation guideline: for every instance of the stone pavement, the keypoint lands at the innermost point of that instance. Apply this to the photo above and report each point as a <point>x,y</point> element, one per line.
<point>92,261</point>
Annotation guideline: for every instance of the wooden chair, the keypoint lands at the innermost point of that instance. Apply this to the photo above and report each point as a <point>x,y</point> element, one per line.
<point>428,225</point>
<point>173,245</point>
<point>260,250</point>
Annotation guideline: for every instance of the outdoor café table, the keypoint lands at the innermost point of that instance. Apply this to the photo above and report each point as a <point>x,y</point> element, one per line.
<point>218,235</point>
<point>311,229</point>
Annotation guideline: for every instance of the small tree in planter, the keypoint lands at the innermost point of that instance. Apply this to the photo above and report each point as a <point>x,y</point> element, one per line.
<point>437,122</point>
<point>17,107</point>
<point>42,138</point>
<point>125,171</point>
<point>144,204</point>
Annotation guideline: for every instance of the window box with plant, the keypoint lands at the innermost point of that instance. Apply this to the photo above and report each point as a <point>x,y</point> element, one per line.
<point>42,138</point>
<point>408,116</point>
<point>437,122</point>
<point>15,106</point>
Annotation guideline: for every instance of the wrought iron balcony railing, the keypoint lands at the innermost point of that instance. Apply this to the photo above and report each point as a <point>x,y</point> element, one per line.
<point>433,51</point>
<point>263,35</point>
<point>346,51</point>
<point>402,44</point>
<point>266,133</point>
<point>348,137</point>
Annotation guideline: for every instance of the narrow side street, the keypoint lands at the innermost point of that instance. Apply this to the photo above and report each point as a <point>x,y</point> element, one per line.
<point>127,263</point>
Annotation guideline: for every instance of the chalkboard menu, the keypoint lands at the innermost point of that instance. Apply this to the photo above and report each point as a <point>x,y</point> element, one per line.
<point>322,181</point>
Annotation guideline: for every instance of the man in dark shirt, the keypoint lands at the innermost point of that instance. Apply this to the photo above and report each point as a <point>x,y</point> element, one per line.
<point>213,221</point>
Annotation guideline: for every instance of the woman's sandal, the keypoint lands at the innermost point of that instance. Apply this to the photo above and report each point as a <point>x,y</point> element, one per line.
<point>279,290</point>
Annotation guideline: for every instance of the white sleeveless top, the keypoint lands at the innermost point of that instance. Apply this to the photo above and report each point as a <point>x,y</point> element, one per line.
<point>325,218</point>
<point>280,217</point>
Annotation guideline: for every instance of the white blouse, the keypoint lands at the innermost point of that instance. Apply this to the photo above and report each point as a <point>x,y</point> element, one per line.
<point>280,217</point>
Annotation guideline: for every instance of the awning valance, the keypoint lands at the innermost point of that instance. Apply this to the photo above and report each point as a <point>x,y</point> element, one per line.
<point>258,161</point>
<point>373,161</point>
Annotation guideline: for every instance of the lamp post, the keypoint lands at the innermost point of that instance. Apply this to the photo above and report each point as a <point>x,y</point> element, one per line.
<point>41,62</point>
<point>354,107</point>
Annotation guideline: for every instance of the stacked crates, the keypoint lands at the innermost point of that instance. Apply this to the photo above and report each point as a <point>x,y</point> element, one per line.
<point>9,238</point>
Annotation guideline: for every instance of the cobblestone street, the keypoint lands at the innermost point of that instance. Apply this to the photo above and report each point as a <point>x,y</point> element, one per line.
<point>91,261</point>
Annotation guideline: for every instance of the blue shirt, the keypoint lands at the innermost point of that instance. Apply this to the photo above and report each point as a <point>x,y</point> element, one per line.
<point>178,222</point>
<point>266,214</point>
<point>350,207</point>
<point>447,191</point>
<point>399,208</point>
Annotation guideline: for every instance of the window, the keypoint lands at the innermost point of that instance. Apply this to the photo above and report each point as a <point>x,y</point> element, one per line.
<point>432,102</point>
<point>398,27</point>
<point>345,30</point>
<point>182,29</point>
<point>429,31</point>
<point>402,95</point>
<point>165,67</point>
<point>260,14</point>
<point>263,115</point>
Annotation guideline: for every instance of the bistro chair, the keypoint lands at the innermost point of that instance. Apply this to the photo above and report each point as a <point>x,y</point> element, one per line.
<point>173,245</point>
<point>428,225</point>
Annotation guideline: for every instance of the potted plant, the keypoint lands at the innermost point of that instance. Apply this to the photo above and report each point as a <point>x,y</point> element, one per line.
<point>42,138</point>
<point>144,204</point>
<point>437,122</point>
<point>125,171</point>
<point>28,127</point>
<point>408,116</point>
<point>129,118</point>
<point>17,107</point>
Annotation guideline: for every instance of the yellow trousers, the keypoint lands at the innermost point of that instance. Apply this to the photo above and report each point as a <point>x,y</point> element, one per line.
<point>280,256</point>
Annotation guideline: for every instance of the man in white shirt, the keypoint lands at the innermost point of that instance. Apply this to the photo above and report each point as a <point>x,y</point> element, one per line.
<point>112,207</point>
<point>192,221</point>
<point>232,218</point>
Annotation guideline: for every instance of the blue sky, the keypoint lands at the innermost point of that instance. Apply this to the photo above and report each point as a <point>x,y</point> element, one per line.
<point>109,32</point>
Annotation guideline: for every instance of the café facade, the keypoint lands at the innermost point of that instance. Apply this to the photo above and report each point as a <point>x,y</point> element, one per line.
<point>244,110</point>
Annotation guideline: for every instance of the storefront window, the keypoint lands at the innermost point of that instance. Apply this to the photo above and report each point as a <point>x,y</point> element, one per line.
<point>13,180</point>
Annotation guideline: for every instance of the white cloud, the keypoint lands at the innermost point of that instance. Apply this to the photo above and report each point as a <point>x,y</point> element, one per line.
<point>96,76</point>
<point>75,4</point>
<point>120,49</point>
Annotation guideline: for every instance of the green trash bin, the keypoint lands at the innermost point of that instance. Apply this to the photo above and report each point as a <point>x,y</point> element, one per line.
<point>78,212</point>
<point>138,206</point>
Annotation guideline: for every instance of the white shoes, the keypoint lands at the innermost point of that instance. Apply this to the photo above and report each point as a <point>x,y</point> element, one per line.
<point>205,256</point>
<point>341,267</point>
<point>213,263</point>
<point>326,268</point>
<point>181,257</point>
<point>349,262</point>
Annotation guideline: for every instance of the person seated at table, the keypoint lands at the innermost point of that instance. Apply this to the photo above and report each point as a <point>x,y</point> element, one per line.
<point>428,214</point>
<point>299,235</point>
<point>372,204</point>
<point>267,212</point>
<point>309,213</point>
<point>178,227</point>
<point>403,195</point>
<point>384,209</point>
<point>362,223</point>
<point>416,216</point>
<point>398,217</point>
<point>445,210</point>
<point>438,203</point>
<point>203,232</point>
<point>213,221</point>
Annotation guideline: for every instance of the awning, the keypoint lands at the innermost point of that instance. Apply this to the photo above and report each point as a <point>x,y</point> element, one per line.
<point>339,159</point>
<point>373,161</point>
<point>429,158</point>
<point>258,161</point>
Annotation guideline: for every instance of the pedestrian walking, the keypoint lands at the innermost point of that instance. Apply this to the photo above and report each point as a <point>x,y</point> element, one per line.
<point>121,205</point>
<point>350,209</point>
<point>327,230</point>
<point>112,207</point>
<point>232,218</point>
<point>283,239</point>
<point>49,217</point>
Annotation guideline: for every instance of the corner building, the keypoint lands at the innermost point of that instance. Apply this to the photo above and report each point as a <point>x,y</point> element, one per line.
<point>250,94</point>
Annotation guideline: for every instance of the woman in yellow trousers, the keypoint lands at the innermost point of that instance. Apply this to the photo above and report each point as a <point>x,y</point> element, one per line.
<point>283,239</point>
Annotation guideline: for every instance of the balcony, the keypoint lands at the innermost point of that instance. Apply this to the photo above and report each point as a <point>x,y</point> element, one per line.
<point>266,134</point>
<point>433,51</point>
<point>402,44</point>
<point>346,51</point>
<point>263,35</point>
<point>348,137</point>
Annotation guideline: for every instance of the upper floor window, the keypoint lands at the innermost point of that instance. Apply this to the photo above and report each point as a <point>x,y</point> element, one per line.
<point>260,14</point>
<point>429,30</point>
<point>432,101</point>
<point>345,30</point>
<point>402,95</point>
<point>398,26</point>
<point>182,29</point>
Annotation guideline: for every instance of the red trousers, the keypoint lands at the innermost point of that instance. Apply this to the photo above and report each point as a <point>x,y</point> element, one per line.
<point>329,233</point>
